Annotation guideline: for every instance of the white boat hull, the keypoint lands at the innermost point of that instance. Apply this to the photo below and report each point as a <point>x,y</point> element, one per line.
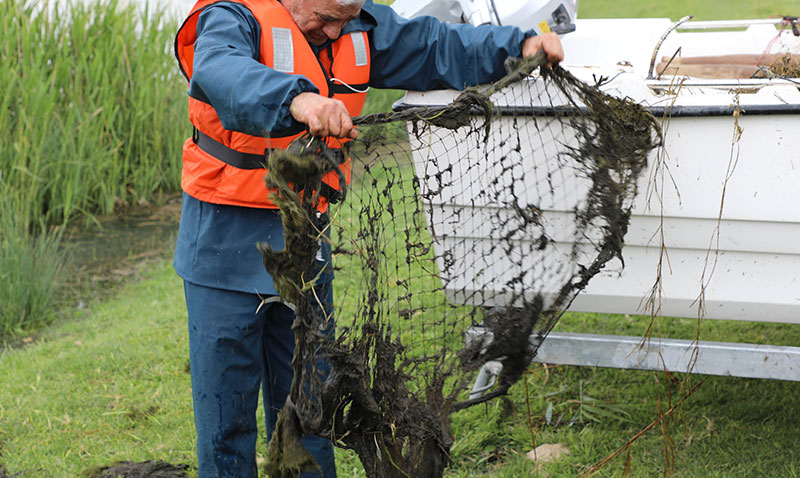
<point>725,208</point>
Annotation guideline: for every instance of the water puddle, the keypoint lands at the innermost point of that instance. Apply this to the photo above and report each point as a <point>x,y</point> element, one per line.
<point>104,254</point>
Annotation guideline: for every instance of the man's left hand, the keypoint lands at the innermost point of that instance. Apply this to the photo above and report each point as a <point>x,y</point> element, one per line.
<point>549,42</point>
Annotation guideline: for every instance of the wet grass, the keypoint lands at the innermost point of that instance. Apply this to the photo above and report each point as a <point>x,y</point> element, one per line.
<point>109,386</point>
<point>113,385</point>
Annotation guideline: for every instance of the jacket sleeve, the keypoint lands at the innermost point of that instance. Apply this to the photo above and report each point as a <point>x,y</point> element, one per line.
<point>248,96</point>
<point>424,53</point>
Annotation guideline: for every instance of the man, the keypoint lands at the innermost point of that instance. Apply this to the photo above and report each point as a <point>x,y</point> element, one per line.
<point>261,72</point>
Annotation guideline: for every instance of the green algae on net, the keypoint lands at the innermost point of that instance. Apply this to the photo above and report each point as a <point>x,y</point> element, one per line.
<point>480,215</point>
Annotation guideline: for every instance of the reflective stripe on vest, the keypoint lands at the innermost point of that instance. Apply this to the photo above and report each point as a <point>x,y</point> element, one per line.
<point>283,48</point>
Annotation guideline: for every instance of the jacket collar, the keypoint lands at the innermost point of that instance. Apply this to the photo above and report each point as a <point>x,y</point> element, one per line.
<point>366,20</point>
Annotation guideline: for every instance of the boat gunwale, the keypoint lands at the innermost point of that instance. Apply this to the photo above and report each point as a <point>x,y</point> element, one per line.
<point>660,111</point>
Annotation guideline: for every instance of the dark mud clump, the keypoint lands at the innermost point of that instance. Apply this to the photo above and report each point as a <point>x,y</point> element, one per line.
<point>145,469</point>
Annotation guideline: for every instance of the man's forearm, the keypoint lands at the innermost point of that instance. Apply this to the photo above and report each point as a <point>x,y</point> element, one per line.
<point>248,96</point>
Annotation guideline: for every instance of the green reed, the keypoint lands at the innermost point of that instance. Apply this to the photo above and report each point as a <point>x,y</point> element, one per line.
<point>30,273</point>
<point>93,115</point>
<point>92,107</point>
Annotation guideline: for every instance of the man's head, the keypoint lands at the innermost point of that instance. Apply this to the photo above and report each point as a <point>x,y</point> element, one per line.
<point>322,20</point>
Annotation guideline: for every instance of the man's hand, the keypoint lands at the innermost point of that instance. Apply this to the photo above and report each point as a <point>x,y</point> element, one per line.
<point>324,116</point>
<point>549,42</point>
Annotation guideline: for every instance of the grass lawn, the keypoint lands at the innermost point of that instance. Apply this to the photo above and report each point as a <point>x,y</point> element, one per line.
<point>110,385</point>
<point>113,385</point>
<point>675,9</point>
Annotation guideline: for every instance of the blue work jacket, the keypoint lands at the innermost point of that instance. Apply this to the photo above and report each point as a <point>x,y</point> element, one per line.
<point>216,243</point>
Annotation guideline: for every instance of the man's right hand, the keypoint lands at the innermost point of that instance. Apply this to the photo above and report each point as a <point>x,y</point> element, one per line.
<point>549,42</point>
<point>324,116</point>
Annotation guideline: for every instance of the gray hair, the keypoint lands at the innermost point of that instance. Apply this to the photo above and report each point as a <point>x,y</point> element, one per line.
<point>350,3</point>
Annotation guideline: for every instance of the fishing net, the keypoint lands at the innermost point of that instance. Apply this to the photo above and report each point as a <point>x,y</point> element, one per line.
<point>488,213</point>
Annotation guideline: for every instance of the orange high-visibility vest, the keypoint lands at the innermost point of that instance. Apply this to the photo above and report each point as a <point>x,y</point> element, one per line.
<point>211,171</point>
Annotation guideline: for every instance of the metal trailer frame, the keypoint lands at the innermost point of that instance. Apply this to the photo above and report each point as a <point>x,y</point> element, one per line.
<point>730,359</point>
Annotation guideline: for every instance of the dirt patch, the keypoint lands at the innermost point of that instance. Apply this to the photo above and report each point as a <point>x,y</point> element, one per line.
<point>136,414</point>
<point>145,469</point>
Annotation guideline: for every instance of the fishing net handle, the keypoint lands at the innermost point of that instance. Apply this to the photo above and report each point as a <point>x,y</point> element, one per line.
<point>476,96</point>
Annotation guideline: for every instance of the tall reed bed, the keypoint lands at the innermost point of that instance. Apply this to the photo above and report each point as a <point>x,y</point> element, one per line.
<point>91,107</point>
<point>92,114</point>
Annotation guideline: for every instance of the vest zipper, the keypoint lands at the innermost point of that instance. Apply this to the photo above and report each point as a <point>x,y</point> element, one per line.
<point>325,72</point>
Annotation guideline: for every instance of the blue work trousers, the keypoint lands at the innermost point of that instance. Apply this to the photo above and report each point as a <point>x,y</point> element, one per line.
<point>234,351</point>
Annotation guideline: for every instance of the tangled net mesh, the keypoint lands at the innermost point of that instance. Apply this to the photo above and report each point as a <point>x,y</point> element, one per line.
<point>487,214</point>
